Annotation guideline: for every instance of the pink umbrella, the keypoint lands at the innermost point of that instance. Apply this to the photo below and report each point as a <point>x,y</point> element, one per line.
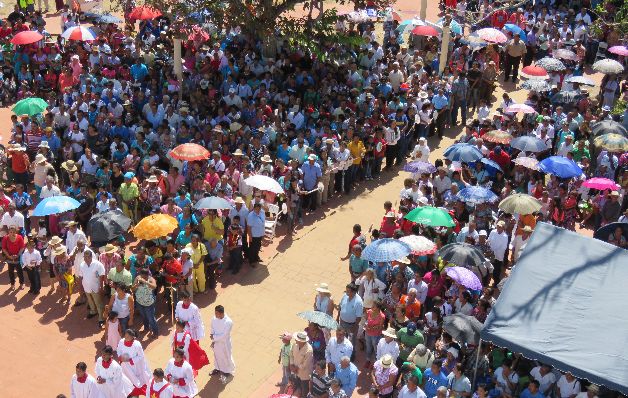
<point>534,72</point>
<point>519,108</point>
<point>619,50</point>
<point>425,31</point>
<point>492,35</point>
<point>600,183</point>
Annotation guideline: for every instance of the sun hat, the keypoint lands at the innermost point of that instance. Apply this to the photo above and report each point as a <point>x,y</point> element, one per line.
<point>482,233</point>
<point>390,332</point>
<point>59,250</point>
<point>69,165</point>
<point>129,175</point>
<point>386,361</point>
<point>614,193</point>
<point>266,159</point>
<point>108,249</point>
<point>239,200</point>
<point>152,178</point>
<point>404,260</point>
<point>40,158</point>
<point>312,157</point>
<point>301,337</point>
<point>238,152</point>
<point>323,288</point>
<point>55,240</point>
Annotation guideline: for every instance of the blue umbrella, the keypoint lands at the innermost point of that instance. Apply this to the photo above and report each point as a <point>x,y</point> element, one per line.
<point>55,205</point>
<point>491,166</point>
<point>463,153</point>
<point>528,143</point>
<point>454,26</point>
<point>475,195</point>
<point>384,250</point>
<point>515,30</point>
<point>108,18</point>
<point>213,202</point>
<point>419,167</point>
<point>560,166</point>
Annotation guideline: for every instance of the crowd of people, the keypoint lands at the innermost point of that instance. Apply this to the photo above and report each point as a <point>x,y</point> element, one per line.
<point>320,128</point>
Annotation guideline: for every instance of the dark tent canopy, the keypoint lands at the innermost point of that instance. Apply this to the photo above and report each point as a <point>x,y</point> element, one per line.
<point>565,305</point>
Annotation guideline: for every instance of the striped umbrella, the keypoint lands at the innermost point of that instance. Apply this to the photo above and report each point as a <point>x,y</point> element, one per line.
<point>385,250</point>
<point>79,33</point>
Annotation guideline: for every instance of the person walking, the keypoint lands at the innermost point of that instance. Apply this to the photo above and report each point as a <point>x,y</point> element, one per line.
<point>12,247</point>
<point>514,50</point>
<point>221,344</point>
<point>92,274</point>
<point>255,221</point>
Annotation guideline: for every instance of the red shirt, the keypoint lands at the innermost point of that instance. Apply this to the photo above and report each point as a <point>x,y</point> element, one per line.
<point>499,19</point>
<point>502,159</point>
<point>19,162</point>
<point>13,248</point>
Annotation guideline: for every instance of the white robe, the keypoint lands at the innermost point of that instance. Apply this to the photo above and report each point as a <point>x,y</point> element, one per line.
<point>138,372</point>
<point>167,392</point>
<point>116,384</point>
<point>192,316</point>
<point>221,337</point>
<point>185,372</point>
<point>89,389</point>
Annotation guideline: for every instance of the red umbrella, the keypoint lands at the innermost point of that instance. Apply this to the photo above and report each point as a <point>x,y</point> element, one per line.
<point>534,72</point>
<point>190,152</point>
<point>26,37</point>
<point>425,31</point>
<point>145,12</point>
<point>396,16</point>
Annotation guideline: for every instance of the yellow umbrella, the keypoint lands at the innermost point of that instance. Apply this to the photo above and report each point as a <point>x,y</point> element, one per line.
<point>612,142</point>
<point>155,226</point>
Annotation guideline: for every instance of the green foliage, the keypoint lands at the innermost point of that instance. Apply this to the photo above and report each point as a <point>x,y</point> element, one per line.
<point>611,13</point>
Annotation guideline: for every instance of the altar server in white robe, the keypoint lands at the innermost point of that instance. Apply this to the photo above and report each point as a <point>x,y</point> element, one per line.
<point>221,342</point>
<point>159,387</point>
<point>83,385</point>
<point>189,313</point>
<point>109,376</point>
<point>133,362</point>
<point>180,375</point>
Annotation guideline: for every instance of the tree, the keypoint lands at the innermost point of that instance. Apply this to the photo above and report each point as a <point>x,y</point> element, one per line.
<point>306,24</point>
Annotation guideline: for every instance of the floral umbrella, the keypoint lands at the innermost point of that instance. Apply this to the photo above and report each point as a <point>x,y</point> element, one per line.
<point>551,64</point>
<point>608,66</point>
<point>498,137</point>
<point>492,35</point>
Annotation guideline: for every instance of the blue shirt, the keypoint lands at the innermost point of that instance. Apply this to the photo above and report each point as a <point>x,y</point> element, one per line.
<point>348,378</point>
<point>256,222</point>
<point>440,102</point>
<point>54,143</point>
<point>139,72</point>
<point>352,309</point>
<point>311,174</point>
<point>527,394</point>
<point>432,382</point>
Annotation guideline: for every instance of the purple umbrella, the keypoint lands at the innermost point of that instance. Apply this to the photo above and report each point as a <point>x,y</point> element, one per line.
<point>465,277</point>
<point>419,167</point>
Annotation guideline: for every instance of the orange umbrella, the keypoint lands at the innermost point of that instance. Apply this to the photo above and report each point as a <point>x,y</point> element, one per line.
<point>155,226</point>
<point>498,137</point>
<point>190,152</point>
<point>145,12</point>
<point>26,37</point>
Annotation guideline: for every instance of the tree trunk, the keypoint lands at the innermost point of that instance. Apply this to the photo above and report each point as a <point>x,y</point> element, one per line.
<point>269,47</point>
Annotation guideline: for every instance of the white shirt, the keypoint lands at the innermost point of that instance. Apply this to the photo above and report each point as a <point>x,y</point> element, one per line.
<point>421,152</point>
<point>335,350</point>
<point>17,220</point>
<point>498,243</point>
<point>384,348</point>
<point>544,381</point>
<point>441,184</point>
<point>47,193</point>
<point>28,258</point>
<point>501,380</point>
<point>90,275</point>
<point>567,388</point>
<point>406,393</point>
<point>72,238</point>
<point>421,289</point>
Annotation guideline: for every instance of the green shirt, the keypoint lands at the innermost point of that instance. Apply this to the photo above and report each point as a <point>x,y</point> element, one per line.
<point>417,372</point>
<point>285,354</point>
<point>120,277</point>
<point>358,265</point>
<point>408,342</point>
<point>579,154</point>
<point>128,191</point>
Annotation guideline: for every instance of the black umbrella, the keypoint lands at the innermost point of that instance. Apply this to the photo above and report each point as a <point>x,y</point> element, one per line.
<point>566,97</point>
<point>608,127</point>
<point>604,232</point>
<point>462,255</point>
<point>528,143</point>
<point>104,227</point>
<point>463,328</point>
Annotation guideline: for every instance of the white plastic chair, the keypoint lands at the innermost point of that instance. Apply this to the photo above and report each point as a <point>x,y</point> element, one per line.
<point>271,222</point>
<point>601,51</point>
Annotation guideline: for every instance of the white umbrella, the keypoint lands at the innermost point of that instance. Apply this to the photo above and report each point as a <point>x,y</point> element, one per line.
<point>580,80</point>
<point>213,202</point>
<point>264,183</point>
<point>79,33</point>
<point>608,66</point>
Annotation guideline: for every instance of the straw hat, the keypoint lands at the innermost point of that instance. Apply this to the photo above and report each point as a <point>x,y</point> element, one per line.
<point>69,166</point>
<point>239,200</point>
<point>55,240</point>
<point>238,152</point>
<point>323,288</point>
<point>108,249</point>
<point>59,250</point>
<point>301,337</point>
<point>266,159</point>
<point>386,361</point>
<point>40,158</point>
<point>390,332</point>
<point>152,178</point>
<point>404,260</point>
<point>235,126</point>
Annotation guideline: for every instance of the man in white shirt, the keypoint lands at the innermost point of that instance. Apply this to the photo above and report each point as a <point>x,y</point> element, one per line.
<point>568,386</point>
<point>566,146</point>
<point>441,183</point>
<point>546,378</point>
<point>388,345</point>
<point>74,235</point>
<point>92,274</point>
<point>420,286</point>
<point>411,389</point>
<point>12,218</point>
<point>232,99</point>
<point>498,242</point>
<point>31,260</point>
<point>337,347</point>
<point>50,189</point>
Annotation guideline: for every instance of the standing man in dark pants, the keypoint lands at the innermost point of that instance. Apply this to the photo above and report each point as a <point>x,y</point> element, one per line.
<point>31,260</point>
<point>441,104</point>
<point>515,50</point>
<point>255,227</point>
<point>391,135</point>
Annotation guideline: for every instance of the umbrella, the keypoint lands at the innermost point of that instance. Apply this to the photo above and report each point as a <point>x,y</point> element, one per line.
<point>465,277</point>
<point>515,30</point>
<point>55,205</point>
<point>419,167</point>
<point>462,255</point>
<point>491,166</point>
<point>498,137</point>
<point>425,31</point>
<point>103,227</point>
<point>527,162</point>
<point>473,40</point>
<point>213,202</point>
<point>565,54</point>
<point>565,97</point>
<point>528,143</point>
<point>520,203</point>
<point>534,72</point>
<point>144,12</point>
<point>454,26</point>
<point>538,85</point>
<point>79,33</point>
<point>520,108</point>
<point>430,216</point>
<point>600,183</point>
<point>551,64</point>
<point>604,232</point>
<point>580,80</point>
<point>155,226</point>
<point>492,35</point>
<point>26,37</point>
<point>619,50</point>
<point>612,142</point>
<point>463,328</point>
<point>107,18</point>
<point>420,245</point>
<point>264,183</point>
<point>560,166</point>
<point>30,106</point>
<point>608,66</point>
<point>385,250</point>
<point>319,318</point>
<point>608,127</point>
<point>463,153</point>
<point>475,195</point>
<point>190,152</point>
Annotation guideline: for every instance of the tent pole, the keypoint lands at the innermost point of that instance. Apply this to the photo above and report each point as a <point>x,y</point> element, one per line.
<point>477,360</point>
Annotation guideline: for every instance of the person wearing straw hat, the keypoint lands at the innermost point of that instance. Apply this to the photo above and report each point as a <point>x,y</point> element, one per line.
<point>20,163</point>
<point>41,169</point>
<point>388,344</point>
<point>63,270</point>
<point>301,361</point>
<point>384,375</point>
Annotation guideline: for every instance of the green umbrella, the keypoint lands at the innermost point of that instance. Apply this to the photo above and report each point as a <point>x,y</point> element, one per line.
<point>431,216</point>
<point>30,106</point>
